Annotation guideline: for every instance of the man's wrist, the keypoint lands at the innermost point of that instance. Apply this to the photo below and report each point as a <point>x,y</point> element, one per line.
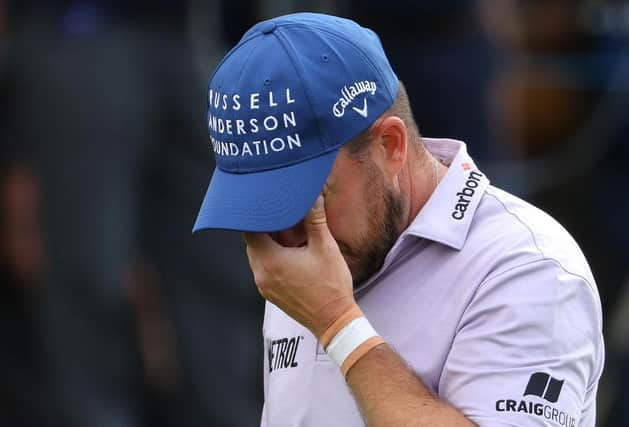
<point>330,314</point>
<point>354,312</point>
<point>349,338</point>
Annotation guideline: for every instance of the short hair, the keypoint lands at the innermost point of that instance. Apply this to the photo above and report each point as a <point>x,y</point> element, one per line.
<point>401,108</point>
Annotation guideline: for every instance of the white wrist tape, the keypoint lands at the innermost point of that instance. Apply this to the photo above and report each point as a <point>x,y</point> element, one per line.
<point>349,339</point>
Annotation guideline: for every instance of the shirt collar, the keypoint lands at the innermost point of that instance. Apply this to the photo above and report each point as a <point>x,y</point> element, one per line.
<point>447,215</point>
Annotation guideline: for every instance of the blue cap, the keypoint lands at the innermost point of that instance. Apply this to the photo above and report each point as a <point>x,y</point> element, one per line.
<point>280,105</point>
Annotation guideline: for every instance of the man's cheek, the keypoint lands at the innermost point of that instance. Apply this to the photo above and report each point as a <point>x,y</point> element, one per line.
<point>348,255</point>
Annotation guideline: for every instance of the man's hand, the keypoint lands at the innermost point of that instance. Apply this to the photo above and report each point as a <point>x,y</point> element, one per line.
<point>312,283</point>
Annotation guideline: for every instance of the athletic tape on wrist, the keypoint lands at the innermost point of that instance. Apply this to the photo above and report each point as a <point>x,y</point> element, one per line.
<point>338,324</point>
<point>352,342</point>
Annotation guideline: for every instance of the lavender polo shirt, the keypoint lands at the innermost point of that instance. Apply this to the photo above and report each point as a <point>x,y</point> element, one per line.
<point>488,299</point>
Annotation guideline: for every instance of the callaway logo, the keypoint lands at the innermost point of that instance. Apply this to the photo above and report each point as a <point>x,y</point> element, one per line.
<point>349,92</point>
<point>543,386</point>
<point>362,111</point>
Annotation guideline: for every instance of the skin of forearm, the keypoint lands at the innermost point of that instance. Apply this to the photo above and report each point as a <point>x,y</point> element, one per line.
<point>390,395</point>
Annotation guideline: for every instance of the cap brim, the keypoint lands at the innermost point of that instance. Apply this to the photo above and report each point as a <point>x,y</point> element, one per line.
<point>265,201</point>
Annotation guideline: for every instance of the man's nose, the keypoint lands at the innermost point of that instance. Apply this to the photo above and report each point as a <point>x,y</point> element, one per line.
<point>292,237</point>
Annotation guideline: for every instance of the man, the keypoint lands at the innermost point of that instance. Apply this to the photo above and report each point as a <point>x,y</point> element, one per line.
<point>485,309</point>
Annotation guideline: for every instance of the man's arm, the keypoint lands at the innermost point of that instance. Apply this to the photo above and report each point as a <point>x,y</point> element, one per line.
<point>389,394</point>
<point>313,285</point>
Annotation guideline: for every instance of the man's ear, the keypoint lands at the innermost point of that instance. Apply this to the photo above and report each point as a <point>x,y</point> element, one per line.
<point>391,144</point>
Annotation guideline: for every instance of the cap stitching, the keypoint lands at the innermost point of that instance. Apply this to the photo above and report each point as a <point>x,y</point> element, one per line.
<point>289,51</point>
<point>229,54</point>
<point>244,64</point>
<point>211,80</point>
<point>348,43</point>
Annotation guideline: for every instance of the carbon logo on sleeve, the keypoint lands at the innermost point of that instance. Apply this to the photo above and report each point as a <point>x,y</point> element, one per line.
<point>545,387</point>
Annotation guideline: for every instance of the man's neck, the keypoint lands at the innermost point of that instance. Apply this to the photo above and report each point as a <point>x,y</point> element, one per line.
<point>423,175</point>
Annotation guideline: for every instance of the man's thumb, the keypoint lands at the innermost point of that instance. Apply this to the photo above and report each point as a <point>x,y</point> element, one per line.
<point>316,224</point>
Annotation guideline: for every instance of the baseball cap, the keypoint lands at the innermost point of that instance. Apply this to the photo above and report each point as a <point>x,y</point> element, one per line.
<point>280,104</point>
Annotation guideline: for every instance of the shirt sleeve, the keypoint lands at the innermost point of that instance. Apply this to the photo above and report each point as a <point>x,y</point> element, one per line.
<point>528,350</point>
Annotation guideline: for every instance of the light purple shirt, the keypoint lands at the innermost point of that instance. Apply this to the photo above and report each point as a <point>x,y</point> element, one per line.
<point>487,298</point>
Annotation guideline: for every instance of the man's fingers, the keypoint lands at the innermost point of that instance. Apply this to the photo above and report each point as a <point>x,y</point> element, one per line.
<point>316,224</point>
<point>258,241</point>
<point>265,255</point>
<point>258,245</point>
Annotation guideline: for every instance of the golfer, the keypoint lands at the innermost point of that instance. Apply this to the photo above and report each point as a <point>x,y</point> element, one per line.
<point>402,288</point>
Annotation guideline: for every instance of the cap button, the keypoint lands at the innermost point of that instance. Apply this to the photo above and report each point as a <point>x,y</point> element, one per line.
<point>267,27</point>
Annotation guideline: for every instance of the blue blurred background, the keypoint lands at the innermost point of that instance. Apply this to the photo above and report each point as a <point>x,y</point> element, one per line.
<point>113,314</point>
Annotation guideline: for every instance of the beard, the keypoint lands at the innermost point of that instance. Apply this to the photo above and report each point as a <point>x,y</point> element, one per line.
<point>385,209</point>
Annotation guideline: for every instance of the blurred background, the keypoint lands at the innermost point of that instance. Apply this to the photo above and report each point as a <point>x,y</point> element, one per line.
<point>113,314</point>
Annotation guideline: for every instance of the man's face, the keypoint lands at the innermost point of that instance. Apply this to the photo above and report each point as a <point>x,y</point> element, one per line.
<point>363,214</point>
